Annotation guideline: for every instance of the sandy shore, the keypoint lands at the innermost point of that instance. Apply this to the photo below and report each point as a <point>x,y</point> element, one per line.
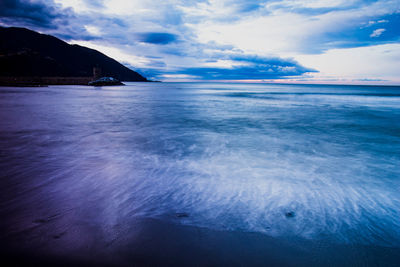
<point>277,175</point>
<point>154,242</point>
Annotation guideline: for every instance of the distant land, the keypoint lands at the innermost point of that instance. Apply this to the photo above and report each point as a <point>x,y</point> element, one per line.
<point>30,58</point>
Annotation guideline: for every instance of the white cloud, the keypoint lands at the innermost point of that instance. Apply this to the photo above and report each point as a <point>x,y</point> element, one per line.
<point>377,62</point>
<point>115,53</point>
<point>299,29</point>
<point>316,3</point>
<point>382,21</point>
<point>377,33</point>
<point>76,5</point>
<point>284,32</point>
<point>374,22</point>
<point>93,30</point>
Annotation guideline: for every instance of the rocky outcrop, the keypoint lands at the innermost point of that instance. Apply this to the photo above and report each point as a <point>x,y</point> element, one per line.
<point>105,81</point>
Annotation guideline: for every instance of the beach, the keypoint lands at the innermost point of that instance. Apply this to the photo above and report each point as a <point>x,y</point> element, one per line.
<point>200,174</point>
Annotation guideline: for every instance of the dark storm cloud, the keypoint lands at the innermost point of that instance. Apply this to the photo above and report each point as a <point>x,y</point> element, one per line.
<point>251,67</point>
<point>246,72</point>
<point>39,14</point>
<point>161,38</point>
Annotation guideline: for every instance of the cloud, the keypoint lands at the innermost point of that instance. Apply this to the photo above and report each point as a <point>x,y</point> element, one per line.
<point>245,6</point>
<point>213,39</point>
<point>161,38</point>
<point>242,67</point>
<point>374,22</point>
<point>241,73</point>
<point>33,13</point>
<point>378,62</point>
<point>313,27</point>
<point>95,3</point>
<point>377,33</point>
<point>370,80</point>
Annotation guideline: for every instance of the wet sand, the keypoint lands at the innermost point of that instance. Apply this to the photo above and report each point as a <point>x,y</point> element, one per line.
<point>200,174</point>
<point>143,242</point>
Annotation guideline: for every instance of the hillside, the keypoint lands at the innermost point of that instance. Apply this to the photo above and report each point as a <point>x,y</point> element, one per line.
<point>26,53</point>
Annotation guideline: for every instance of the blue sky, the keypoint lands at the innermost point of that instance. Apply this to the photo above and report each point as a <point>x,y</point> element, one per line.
<point>330,41</point>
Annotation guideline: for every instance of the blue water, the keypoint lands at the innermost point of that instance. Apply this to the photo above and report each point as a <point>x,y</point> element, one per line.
<point>288,161</point>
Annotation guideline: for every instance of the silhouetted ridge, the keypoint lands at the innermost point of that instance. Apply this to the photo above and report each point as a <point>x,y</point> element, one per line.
<point>27,53</point>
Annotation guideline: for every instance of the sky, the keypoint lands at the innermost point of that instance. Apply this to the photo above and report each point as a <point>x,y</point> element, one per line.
<point>329,41</point>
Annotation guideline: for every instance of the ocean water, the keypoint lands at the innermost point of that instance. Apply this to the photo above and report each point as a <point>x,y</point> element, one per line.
<point>307,162</point>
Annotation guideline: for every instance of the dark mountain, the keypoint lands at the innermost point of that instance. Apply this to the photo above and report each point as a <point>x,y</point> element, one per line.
<point>27,53</point>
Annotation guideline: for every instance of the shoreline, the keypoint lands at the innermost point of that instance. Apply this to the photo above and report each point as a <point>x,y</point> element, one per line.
<point>45,81</point>
<point>147,241</point>
<point>86,170</point>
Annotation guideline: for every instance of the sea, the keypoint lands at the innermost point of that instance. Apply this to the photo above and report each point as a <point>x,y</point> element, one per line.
<point>200,174</point>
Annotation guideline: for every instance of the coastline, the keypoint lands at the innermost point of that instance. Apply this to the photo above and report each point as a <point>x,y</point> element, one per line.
<point>45,81</point>
<point>146,241</point>
<point>131,176</point>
